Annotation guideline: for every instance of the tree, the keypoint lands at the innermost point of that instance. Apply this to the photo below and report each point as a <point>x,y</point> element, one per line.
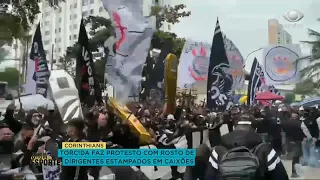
<point>160,37</point>
<point>101,29</point>
<point>313,71</point>
<point>68,64</point>
<point>306,87</point>
<point>169,14</point>
<point>17,23</point>
<point>289,98</point>
<point>10,75</point>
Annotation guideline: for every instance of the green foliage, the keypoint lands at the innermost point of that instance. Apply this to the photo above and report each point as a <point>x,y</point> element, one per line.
<point>312,71</point>
<point>160,37</point>
<point>68,64</point>
<point>101,29</point>
<point>306,87</point>
<point>169,14</point>
<point>289,98</point>
<point>10,75</point>
<point>18,22</point>
<point>3,54</point>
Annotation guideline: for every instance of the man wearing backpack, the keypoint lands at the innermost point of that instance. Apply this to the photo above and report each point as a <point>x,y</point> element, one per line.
<point>242,155</point>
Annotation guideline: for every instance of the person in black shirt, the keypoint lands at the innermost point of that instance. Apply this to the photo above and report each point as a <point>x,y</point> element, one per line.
<point>294,137</point>
<point>262,126</point>
<point>271,167</point>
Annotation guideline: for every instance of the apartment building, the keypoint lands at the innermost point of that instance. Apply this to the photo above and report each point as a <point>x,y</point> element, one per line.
<point>60,26</point>
<point>277,34</point>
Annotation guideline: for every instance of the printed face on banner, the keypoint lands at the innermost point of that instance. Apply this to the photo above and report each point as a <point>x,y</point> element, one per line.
<point>221,88</point>
<point>280,64</point>
<point>200,64</point>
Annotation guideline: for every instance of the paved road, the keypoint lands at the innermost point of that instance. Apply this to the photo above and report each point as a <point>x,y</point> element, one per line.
<point>307,172</point>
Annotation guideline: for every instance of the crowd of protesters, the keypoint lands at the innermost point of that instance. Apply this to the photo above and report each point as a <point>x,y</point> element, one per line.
<point>289,132</point>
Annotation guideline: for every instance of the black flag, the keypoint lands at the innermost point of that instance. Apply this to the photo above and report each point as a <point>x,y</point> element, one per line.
<point>89,88</point>
<point>41,70</point>
<point>256,81</point>
<point>219,85</point>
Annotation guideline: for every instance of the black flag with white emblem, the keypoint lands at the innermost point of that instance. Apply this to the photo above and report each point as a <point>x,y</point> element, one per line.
<point>219,85</point>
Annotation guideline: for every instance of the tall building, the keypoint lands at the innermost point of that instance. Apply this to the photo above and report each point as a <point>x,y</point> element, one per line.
<point>60,26</point>
<point>277,33</point>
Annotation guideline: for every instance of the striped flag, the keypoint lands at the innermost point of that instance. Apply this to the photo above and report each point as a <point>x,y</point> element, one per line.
<point>256,82</point>
<point>38,71</point>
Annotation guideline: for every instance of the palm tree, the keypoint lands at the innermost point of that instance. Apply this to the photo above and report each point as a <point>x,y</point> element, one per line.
<point>313,71</point>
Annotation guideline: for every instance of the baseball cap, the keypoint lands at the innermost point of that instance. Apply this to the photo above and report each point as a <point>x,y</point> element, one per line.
<point>170,117</point>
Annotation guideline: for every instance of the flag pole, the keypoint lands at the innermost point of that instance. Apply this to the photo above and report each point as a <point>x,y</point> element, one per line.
<point>52,48</point>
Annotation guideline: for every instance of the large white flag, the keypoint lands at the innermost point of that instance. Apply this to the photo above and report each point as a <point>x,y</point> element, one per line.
<point>236,63</point>
<point>132,42</point>
<point>193,63</point>
<point>279,64</point>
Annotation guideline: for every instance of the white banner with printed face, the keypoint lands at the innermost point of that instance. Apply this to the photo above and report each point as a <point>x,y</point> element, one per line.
<point>279,64</point>
<point>236,64</point>
<point>132,43</point>
<point>193,63</point>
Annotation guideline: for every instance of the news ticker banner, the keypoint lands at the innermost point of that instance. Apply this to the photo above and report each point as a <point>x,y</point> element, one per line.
<point>96,154</point>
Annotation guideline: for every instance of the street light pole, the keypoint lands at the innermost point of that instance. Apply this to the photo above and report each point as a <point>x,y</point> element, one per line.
<point>245,60</point>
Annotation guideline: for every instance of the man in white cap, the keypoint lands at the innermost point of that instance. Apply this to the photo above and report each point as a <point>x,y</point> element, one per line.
<point>171,117</point>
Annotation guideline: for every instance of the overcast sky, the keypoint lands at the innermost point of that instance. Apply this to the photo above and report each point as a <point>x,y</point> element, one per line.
<point>245,22</point>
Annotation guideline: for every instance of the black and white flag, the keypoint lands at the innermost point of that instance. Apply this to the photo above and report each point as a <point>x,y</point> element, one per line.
<point>89,87</point>
<point>219,85</point>
<point>256,82</point>
<point>274,90</point>
<point>38,67</point>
